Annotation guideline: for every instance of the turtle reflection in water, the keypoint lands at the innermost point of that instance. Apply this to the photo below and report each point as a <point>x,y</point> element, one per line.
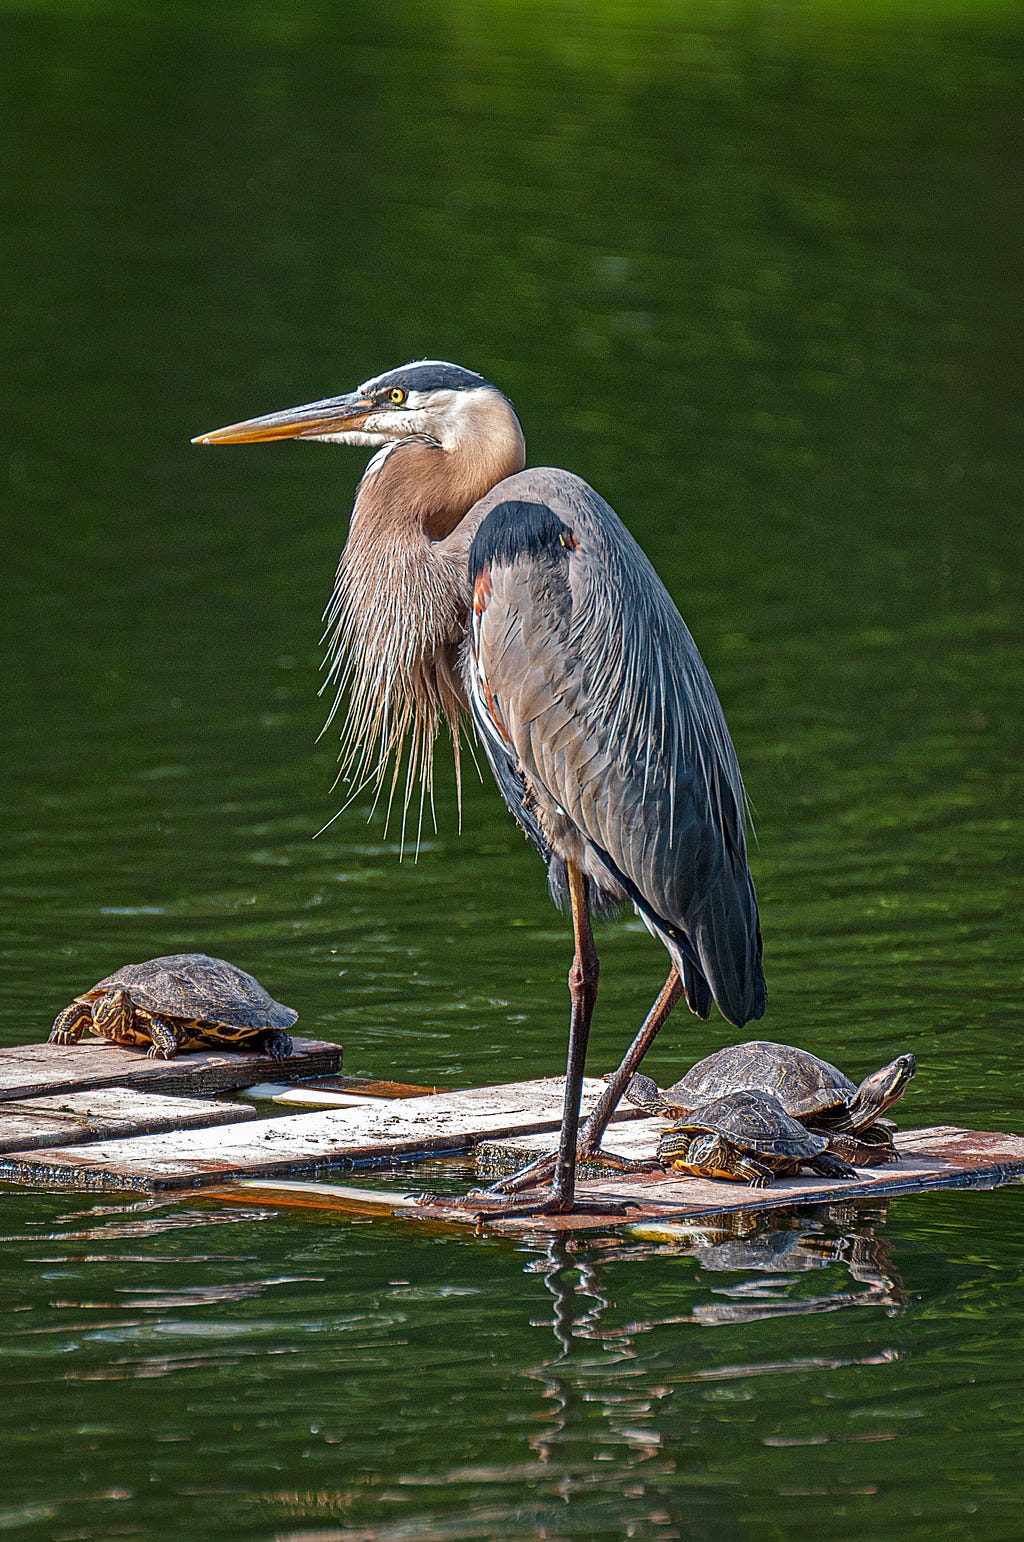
<point>182,1001</point>
<point>811,1090</point>
<point>747,1136</point>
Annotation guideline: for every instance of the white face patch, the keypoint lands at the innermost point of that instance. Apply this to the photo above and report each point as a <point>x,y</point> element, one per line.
<point>449,417</point>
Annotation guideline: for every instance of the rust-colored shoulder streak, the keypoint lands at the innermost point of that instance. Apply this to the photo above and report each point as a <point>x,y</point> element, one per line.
<point>482,591</point>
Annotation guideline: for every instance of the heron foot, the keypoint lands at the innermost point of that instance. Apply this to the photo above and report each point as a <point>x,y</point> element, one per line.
<point>553,1204</point>
<point>543,1167</point>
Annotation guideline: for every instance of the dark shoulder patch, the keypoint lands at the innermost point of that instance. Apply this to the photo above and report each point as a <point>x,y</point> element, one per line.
<point>516,529</point>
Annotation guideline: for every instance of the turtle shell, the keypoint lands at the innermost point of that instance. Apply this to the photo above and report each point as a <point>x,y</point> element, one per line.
<point>196,988</point>
<point>755,1122</point>
<point>807,1087</point>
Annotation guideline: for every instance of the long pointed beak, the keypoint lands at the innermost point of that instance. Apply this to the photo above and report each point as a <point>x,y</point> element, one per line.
<point>335,414</point>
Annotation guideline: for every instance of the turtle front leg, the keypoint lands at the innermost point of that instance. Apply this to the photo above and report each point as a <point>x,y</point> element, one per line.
<point>828,1165</point>
<point>69,1025</point>
<point>275,1043</point>
<point>165,1038</point>
<point>757,1174</point>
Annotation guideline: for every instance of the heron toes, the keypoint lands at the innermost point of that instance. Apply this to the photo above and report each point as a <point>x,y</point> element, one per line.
<point>543,1168</point>
<point>553,1204</point>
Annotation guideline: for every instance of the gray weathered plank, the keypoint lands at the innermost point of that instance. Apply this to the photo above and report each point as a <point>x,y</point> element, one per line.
<point>372,1134</point>
<point>43,1070</point>
<point>943,1157</point>
<point>940,1157</point>
<point>107,1113</point>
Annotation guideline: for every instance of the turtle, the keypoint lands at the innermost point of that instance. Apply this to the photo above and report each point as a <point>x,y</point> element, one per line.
<point>749,1137</point>
<point>810,1089</point>
<point>180,1001</point>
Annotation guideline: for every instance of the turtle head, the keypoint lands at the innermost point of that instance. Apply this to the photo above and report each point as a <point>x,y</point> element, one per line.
<point>703,1152</point>
<point>113,1013</point>
<point>883,1088</point>
<point>709,1154</point>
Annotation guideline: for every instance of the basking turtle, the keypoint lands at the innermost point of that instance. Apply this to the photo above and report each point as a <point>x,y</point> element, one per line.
<point>183,1001</point>
<point>809,1089</point>
<point>747,1136</point>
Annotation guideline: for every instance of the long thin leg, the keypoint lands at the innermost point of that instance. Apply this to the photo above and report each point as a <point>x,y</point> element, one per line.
<point>583,975</point>
<point>589,1143</point>
<point>616,1084</point>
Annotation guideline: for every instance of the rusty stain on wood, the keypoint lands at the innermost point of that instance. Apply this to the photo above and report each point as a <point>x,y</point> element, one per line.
<point>373,1134</point>
<point>42,1070</point>
<point>107,1113</point>
<point>373,1087</point>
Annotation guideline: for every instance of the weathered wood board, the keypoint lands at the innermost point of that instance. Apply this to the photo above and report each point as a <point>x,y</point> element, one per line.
<point>373,1134</point>
<point>335,1091</point>
<point>942,1157</point>
<point>42,1070</point>
<point>107,1113</point>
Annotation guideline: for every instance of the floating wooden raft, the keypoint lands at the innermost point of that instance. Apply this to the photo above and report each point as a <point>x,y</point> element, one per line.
<point>77,1117</point>
<point>370,1134</point>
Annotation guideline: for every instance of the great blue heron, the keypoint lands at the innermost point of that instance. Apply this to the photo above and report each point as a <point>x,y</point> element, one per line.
<point>468,582</point>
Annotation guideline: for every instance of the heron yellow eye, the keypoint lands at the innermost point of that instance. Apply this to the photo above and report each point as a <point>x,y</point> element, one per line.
<point>397,396</point>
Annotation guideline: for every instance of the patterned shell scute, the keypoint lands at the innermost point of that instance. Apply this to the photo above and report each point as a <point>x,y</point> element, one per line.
<point>803,1083</point>
<point>754,1121</point>
<point>194,986</point>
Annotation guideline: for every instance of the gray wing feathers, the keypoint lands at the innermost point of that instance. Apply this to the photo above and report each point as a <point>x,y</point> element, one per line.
<point>611,711</point>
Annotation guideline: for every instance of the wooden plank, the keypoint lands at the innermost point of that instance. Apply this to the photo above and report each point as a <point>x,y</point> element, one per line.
<point>373,1087</point>
<point>347,1091</point>
<point>348,1199</point>
<point>941,1157</point>
<point>43,1070</point>
<point>336,1091</point>
<point>372,1135</point>
<point>105,1114</point>
<point>308,1097</point>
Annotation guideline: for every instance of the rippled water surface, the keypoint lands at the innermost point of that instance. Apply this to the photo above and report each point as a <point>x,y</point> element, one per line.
<point>754,271</point>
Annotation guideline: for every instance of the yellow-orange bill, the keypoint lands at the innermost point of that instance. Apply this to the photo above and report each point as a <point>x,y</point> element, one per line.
<point>335,414</point>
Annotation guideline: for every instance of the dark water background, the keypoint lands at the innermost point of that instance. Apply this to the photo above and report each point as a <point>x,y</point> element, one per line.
<point>754,271</point>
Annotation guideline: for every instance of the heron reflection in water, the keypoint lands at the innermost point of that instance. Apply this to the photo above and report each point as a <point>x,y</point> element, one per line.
<point>470,584</point>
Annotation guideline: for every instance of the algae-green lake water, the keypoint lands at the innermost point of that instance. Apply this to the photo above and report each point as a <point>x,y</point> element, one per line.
<point>753,270</point>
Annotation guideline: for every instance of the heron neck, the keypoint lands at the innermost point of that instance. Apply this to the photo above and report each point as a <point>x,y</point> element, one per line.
<point>422,482</point>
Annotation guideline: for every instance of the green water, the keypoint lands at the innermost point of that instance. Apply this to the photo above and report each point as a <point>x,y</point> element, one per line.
<point>754,271</point>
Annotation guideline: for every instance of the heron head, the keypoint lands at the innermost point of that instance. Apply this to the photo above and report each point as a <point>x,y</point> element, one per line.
<point>429,399</point>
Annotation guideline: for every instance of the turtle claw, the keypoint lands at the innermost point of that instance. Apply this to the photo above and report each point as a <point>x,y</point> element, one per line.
<point>69,1025</point>
<point>275,1043</point>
